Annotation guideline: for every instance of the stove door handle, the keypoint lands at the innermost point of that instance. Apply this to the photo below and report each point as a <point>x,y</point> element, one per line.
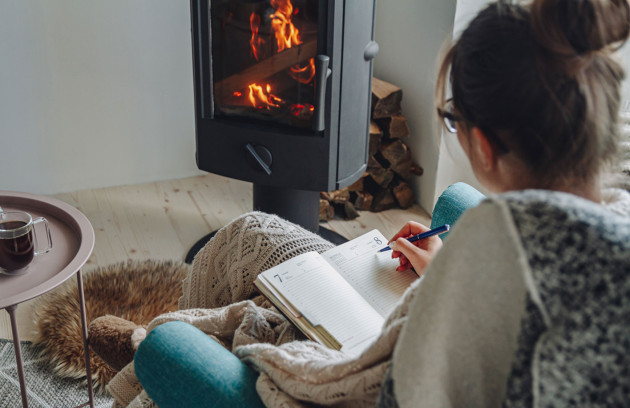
<point>322,72</point>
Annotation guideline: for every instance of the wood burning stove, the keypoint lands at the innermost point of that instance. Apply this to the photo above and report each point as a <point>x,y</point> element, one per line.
<point>282,96</point>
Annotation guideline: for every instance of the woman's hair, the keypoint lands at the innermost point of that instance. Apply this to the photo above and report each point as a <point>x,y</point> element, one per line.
<point>542,78</point>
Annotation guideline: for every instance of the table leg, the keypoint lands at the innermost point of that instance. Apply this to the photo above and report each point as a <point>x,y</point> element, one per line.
<point>84,333</point>
<point>18,354</point>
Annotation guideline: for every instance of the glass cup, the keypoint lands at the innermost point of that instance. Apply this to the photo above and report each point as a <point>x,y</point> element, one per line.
<point>18,241</point>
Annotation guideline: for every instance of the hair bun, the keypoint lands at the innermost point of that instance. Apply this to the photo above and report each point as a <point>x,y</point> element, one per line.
<point>575,27</point>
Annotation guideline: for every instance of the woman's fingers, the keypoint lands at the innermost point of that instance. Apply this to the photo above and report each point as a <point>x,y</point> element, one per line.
<point>410,229</point>
<point>403,264</point>
<point>417,256</point>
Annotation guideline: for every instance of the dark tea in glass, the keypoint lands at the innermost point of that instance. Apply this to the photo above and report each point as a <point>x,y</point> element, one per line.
<point>18,240</point>
<point>16,252</point>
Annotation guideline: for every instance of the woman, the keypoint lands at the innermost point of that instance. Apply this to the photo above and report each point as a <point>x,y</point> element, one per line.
<point>526,303</point>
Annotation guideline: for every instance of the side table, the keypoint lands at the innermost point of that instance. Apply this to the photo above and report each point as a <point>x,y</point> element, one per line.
<point>73,242</point>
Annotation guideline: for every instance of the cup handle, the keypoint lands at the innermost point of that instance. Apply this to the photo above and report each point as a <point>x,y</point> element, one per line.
<point>37,221</point>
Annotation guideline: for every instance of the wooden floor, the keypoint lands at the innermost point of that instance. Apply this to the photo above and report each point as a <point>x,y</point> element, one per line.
<point>162,220</point>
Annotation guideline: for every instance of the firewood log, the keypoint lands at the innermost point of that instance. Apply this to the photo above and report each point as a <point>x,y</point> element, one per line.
<point>363,200</point>
<point>386,99</point>
<point>403,169</point>
<point>340,196</point>
<point>404,195</point>
<point>326,211</point>
<point>266,68</point>
<point>394,127</point>
<point>375,137</point>
<point>349,212</point>
<point>325,195</point>
<point>382,176</point>
<point>395,151</point>
<point>358,185</point>
<point>416,169</point>
<point>399,157</point>
<point>383,200</point>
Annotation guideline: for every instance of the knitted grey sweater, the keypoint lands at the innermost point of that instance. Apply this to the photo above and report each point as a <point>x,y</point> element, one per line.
<point>527,304</point>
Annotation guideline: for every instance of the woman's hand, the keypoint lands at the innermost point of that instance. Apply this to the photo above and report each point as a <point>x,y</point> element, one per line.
<point>417,254</point>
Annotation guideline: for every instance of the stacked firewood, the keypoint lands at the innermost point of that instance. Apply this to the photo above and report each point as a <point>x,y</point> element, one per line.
<point>385,184</point>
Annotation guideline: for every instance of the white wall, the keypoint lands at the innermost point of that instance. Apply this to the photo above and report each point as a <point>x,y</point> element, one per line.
<point>410,34</point>
<point>94,93</point>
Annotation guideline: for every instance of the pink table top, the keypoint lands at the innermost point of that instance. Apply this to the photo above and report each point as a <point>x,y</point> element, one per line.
<point>73,242</point>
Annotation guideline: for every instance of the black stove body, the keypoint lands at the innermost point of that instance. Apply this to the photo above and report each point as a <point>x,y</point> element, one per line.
<point>282,96</point>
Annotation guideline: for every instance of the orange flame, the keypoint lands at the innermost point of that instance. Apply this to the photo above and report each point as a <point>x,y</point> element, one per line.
<point>255,41</point>
<point>287,35</point>
<point>263,98</point>
<point>303,74</point>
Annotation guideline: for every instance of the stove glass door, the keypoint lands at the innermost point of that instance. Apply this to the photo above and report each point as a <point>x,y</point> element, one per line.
<point>263,59</point>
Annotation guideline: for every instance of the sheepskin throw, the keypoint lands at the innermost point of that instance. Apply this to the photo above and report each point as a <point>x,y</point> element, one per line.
<point>136,290</point>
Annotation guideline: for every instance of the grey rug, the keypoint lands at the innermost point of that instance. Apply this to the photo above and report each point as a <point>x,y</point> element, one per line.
<point>45,389</point>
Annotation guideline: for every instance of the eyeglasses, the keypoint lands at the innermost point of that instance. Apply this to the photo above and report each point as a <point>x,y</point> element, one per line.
<point>450,119</point>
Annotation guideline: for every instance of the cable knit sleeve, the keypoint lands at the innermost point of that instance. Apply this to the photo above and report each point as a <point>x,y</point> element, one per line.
<point>458,345</point>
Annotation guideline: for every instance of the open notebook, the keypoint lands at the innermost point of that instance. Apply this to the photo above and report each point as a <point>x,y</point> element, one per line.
<point>341,297</point>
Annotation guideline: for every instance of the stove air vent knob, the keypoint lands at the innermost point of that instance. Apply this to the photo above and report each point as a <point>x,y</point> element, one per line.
<point>259,157</point>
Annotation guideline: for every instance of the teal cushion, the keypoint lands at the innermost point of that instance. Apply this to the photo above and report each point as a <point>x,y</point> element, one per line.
<point>180,366</point>
<point>456,199</point>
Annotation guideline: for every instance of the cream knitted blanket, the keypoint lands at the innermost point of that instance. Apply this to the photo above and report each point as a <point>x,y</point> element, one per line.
<point>218,298</point>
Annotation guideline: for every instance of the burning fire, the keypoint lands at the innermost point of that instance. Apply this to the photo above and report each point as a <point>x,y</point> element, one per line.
<point>303,74</point>
<point>287,35</point>
<point>256,42</point>
<point>297,109</point>
<point>260,97</point>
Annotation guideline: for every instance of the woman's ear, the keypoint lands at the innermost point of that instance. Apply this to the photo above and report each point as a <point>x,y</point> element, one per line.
<point>483,149</point>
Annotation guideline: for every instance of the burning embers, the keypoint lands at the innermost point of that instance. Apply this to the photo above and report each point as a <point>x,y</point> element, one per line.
<point>283,35</point>
<point>260,97</point>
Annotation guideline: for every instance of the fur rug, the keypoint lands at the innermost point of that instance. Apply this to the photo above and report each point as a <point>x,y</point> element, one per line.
<point>136,290</point>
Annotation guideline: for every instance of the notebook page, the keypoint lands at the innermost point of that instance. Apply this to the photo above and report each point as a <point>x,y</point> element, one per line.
<point>326,299</point>
<point>373,274</point>
<point>267,289</point>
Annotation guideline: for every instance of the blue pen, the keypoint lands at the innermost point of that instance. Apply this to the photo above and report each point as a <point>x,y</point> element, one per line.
<point>435,231</point>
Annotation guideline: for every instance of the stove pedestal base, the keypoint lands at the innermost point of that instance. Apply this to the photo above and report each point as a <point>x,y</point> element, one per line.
<point>297,206</point>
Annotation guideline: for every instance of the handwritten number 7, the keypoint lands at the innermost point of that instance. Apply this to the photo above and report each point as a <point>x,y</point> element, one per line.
<point>278,276</point>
